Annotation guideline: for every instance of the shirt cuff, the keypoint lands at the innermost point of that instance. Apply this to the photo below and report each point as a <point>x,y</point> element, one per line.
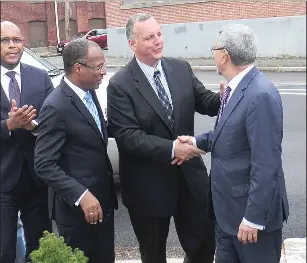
<point>34,122</point>
<point>79,200</point>
<point>173,150</point>
<point>250,224</point>
<point>194,141</point>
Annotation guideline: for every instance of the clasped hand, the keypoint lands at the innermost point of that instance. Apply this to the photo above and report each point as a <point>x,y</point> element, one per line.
<point>20,117</point>
<point>184,150</point>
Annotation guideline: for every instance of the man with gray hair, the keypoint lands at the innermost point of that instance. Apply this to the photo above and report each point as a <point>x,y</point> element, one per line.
<point>247,180</point>
<point>150,102</point>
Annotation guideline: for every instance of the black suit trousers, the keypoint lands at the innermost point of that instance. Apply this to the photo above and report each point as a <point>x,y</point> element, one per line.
<point>194,229</point>
<point>32,202</point>
<point>95,240</point>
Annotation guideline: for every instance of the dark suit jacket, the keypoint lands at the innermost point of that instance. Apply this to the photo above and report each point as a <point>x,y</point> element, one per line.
<point>247,178</point>
<point>19,146</point>
<point>71,155</point>
<point>138,122</point>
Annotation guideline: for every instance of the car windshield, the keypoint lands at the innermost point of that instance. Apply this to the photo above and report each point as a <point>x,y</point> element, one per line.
<point>101,31</point>
<point>79,35</point>
<point>30,58</point>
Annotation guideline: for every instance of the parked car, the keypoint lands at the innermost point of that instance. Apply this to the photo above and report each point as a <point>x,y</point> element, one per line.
<point>97,35</point>
<point>56,75</point>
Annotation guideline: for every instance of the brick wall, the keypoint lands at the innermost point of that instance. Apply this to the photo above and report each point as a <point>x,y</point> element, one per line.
<point>117,15</point>
<point>21,13</point>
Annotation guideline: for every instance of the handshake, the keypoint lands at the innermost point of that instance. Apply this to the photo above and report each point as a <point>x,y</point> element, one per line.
<point>184,150</point>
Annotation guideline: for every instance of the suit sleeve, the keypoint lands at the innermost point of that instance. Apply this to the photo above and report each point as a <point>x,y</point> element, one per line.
<point>207,102</point>
<point>204,141</point>
<point>49,145</point>
<point>48,84</point>
<point>264,131</point>
<point>124,127</point>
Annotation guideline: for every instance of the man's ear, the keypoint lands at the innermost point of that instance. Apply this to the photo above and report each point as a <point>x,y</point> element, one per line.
<point>131,44</point>
<point>77,68</point>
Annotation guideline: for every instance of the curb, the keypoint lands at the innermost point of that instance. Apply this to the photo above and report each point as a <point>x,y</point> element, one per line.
<point>213,68</point>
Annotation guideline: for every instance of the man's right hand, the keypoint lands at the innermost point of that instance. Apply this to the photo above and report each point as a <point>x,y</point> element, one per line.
<point>91,208</point>
<point>20,117</point>
<point>184,152</point>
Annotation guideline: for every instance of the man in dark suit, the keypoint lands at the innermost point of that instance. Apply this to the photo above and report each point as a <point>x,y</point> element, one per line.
<point>150,102</point>
<point>247,180</point>
<point>71,155</point>
<point>23,91</point>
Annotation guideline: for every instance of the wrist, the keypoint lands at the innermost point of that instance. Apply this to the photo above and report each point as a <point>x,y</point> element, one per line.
<point>9,125</point>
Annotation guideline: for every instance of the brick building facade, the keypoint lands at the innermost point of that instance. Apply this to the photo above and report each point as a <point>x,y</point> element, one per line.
<point>199,11</point>
<point>36,19</point>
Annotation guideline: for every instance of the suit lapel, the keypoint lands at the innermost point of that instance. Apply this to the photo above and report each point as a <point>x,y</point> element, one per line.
<point>25,84</point>
<point>101,116</point>
<point>173,86</point>
<point>5,103</point>
<point>148,93</point>
<point>81,108</point>
<point>233,102</point>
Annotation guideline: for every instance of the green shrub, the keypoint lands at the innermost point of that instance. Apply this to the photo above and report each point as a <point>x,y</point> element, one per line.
<point>52,249</point>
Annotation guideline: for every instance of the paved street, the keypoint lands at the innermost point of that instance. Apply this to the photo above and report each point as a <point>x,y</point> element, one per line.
<point>292,87</point>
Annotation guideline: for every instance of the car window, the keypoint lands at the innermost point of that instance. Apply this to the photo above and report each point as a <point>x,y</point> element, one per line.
<point>30,58</point>
<point>101,31</point>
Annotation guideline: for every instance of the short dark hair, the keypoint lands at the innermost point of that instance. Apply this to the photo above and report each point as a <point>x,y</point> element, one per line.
<point>76,51</point>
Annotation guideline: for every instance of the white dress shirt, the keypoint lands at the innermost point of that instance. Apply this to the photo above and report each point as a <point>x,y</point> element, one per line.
<point>5,79</point>
<point>81,94</point>
<point>149,73</point>
<point>233,84</point>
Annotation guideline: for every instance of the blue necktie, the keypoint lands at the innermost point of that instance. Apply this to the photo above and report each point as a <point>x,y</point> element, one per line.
<point>163,97</point>
<point>14,91</point>
<point>92,109</point>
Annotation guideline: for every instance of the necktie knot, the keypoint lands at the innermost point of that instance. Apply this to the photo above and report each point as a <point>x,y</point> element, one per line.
<point>88,97</point>
<point>11,74</point>
<point>157,73</point>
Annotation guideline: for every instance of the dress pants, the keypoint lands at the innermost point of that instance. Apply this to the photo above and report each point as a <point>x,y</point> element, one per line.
<point>32,202</point>
<point>95,240</point>
<point>194,229</point>
<point>266,250</point>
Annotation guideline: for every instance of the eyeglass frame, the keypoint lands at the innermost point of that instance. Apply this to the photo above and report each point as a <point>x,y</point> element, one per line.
<point>98,68</point>
<point>217,48</point>
<point>8,40</point>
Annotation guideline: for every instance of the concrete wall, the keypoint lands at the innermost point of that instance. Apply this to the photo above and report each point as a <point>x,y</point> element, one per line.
<point>277,37</point>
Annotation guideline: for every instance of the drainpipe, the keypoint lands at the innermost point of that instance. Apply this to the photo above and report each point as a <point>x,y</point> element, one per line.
<point>57,21</point>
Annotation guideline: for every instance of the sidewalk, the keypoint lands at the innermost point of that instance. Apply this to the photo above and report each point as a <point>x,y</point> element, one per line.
<point>208,64</point>
<point>293,251</point>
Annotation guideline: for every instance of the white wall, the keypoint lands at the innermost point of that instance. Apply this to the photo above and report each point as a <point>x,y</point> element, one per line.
<point>277,37</point>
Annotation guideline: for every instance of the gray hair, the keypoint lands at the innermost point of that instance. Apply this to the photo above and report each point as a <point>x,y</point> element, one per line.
<point>76,51</point>
<point>240,43</point>
<point>139,17</point>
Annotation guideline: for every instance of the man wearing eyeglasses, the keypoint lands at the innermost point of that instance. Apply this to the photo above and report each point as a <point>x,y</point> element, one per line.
<point>71,155</point>
<point>23,91</point>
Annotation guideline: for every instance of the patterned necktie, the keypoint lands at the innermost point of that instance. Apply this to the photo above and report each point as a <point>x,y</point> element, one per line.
<point>92,109</point>
<point>224,102</point>
<point>163,97</point>
<point>14,91</point>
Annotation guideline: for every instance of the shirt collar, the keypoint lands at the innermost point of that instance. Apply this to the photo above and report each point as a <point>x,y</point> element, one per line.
<point>233,84</point>
<point>5,70</point>
<point>149,68</point>
<point>80,92</point>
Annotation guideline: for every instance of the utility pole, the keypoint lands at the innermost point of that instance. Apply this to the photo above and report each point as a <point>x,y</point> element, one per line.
<point>67,15</point>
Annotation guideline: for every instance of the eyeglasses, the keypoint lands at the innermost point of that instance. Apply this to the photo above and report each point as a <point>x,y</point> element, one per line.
<point>7,40</point>
<point>98,68</point>
<point>217,48</point>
